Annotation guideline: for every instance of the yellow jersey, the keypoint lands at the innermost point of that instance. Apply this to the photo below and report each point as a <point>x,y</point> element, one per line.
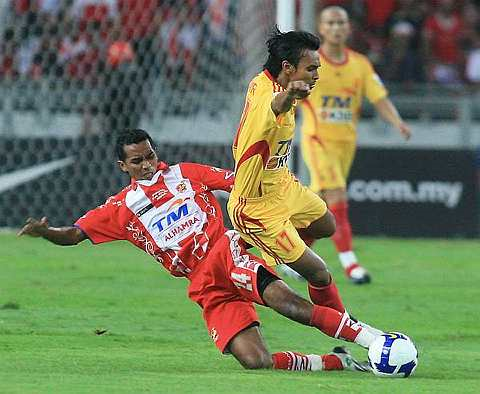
<point>263,142</point>
<point>332,110</point>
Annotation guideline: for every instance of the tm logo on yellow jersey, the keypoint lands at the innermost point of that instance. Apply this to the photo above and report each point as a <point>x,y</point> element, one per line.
<point>335,109</point>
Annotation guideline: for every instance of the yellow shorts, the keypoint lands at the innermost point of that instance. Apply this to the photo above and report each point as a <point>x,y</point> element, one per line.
<point>329,162</point>
<point>269,222</point>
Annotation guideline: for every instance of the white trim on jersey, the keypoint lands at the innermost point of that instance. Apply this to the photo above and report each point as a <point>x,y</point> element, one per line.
<point>152,181</point>
<point>173,180</point>
<point>176,219</point>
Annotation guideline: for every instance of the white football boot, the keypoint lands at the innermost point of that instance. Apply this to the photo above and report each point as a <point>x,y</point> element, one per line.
<point>357,274</point>
<point>369,328</point>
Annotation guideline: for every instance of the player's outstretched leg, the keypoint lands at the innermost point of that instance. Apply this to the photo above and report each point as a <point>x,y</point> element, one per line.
<point>249,348</point>
<point>278,296</point>
<point>338,359</point>
<point>321,286</point>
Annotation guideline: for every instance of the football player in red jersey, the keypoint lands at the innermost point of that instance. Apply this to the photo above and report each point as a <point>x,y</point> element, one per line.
<point>170,213</point>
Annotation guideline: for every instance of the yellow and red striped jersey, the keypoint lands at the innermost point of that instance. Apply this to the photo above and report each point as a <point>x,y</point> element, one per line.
<point>263,141</point>
<point>332,110</point>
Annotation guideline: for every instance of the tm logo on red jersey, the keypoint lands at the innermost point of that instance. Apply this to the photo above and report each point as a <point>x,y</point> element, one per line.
<point>173,216</point>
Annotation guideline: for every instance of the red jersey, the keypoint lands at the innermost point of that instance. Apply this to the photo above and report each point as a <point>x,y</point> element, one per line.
<point>174,217</point>
<point>445,38</point>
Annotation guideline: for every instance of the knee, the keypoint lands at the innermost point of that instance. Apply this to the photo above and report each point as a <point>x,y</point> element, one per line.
<point>326,233</point>
<point>324,227</point>
<point>313,269</point>
<point>257,361</point>
<point>329,226</point>
<point>319,277</point>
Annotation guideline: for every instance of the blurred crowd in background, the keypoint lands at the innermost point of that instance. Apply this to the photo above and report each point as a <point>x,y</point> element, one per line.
<point>408,41</point>
<point>120,56</point>
<point>114,51</point>
<point>79,39</point>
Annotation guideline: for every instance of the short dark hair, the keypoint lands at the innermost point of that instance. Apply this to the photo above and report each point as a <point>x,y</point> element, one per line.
<point>288,46</point>
<point>129,137</point>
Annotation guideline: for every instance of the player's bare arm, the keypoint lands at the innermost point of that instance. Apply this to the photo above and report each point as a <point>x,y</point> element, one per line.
<point>387,111</point>
<point>64,236</point>
<point>283,101</point>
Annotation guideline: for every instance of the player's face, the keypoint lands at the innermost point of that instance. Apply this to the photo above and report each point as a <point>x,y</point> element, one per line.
<point>334,26</point>
<point>140,161</point>
<point>307,68</point>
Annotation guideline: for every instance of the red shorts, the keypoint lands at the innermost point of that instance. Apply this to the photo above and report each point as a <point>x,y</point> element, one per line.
<point>225,287</point>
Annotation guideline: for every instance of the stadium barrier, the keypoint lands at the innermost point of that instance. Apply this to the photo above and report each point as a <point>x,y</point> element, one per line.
<point>415,193</point>
<point>390,191</point>
<point>63,178</point>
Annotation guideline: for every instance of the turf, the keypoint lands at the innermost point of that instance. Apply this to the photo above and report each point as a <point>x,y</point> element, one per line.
<point>106,319</point>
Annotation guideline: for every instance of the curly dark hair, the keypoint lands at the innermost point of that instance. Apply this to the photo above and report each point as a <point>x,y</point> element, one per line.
<point>288,46</point>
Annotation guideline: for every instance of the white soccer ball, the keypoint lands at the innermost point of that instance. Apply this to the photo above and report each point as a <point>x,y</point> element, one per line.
<point>394,355</point>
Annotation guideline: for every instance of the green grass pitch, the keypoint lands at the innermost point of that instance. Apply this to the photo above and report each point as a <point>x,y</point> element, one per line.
<point>56,301</point>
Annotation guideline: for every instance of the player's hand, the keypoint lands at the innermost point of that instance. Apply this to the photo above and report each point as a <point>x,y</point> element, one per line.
<point>298,89</point>
<point>404,130</point>
<point>34,227</point>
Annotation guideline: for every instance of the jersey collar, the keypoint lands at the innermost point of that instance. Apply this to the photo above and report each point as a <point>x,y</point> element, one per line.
<point>269,76</point>
<point>333,62</point>
<point>276,86</point>
<point>161,167</point>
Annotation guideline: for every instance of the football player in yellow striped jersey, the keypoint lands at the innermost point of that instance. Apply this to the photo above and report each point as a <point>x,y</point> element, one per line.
<point>268,205</point>
<point>330,116</point>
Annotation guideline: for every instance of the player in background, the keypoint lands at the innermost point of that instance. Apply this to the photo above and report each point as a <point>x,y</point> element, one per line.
<point>329,127</point>
<point>171,213</point>
<point>267,204</point>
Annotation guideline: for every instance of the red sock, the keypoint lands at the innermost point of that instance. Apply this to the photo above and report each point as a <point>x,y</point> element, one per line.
<point>334,323</point>
<point>331,363</point>
<point>326,296</point>
<point>293,361</point>
<point>343,234</point>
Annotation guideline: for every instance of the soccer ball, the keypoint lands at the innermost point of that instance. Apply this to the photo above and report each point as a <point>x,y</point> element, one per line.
<point>394,355</point>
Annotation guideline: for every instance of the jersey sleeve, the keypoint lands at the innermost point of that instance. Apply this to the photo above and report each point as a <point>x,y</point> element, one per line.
<point>260,113</point>
<point>101,224</point>
<point>213,178</point>
<point>373,85</point>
